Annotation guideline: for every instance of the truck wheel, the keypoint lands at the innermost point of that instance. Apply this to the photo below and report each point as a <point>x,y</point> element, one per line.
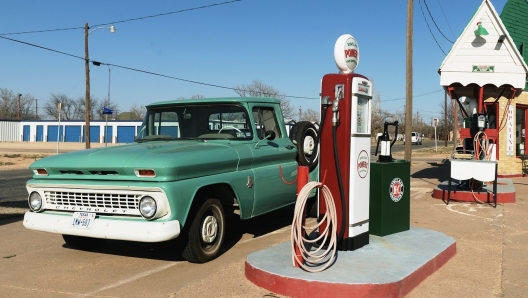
<point>83,242</point>
<point>206,233</point>
<point>304,135</point>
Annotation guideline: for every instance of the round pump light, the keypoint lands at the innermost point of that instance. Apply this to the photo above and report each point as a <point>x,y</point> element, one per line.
<point>148,207</point>
<point>35,201</point>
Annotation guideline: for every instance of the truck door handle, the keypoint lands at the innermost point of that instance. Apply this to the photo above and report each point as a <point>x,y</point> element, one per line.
<point>290,147</point>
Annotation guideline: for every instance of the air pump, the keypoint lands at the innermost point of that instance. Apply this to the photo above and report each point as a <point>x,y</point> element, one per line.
<point>386,145</point>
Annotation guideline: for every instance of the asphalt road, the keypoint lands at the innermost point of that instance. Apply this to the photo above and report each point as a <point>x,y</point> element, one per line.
<point>38,264</point>
<point>490,259</point>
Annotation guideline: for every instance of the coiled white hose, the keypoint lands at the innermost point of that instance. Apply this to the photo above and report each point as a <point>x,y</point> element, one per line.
<point>320,258</point>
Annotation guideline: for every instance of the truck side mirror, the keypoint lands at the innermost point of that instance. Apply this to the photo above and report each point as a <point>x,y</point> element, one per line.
<point>270,135</point>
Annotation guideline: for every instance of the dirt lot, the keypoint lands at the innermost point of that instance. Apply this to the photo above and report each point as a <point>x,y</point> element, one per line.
<point>10,161</point>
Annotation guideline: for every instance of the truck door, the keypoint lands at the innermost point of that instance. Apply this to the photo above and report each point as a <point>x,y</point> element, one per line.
<point>270,190</point>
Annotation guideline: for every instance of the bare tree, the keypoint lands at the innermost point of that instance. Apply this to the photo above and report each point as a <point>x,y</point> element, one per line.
<point>68,107</point>
<point>11,107</point>
<point>450,121</point>
<point>106,103</point>
<point>137,112</point>
<point>308,115</point>
<point>258,88</point>
<point>380,116</point>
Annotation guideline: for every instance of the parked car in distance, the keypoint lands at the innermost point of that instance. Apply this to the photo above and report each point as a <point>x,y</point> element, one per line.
<point>416,138</point>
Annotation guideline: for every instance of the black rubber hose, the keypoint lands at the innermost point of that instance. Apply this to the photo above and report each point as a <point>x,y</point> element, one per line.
<point>340,183</point>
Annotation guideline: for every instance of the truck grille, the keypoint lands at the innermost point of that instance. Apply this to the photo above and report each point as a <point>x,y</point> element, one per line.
<point>93,200</point>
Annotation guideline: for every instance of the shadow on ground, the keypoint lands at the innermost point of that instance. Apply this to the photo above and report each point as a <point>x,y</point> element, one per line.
<point>438,171</point>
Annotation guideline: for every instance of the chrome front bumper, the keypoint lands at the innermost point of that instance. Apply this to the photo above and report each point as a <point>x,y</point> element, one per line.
<point>141,231</point>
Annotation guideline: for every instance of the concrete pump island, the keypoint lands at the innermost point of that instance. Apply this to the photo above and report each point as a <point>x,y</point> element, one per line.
<point>362,245</point>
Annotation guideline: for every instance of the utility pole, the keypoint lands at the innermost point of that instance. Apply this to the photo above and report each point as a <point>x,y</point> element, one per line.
<point>87,74</point>
<point>409,82</point>
<point>36,109</point>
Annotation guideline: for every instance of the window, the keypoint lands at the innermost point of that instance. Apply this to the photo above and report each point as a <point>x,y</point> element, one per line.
<point>265,119</point>
<point>520,129</point>
<point>205,121</point>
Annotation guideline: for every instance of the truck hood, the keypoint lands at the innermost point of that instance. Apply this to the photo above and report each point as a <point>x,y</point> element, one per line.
<point>171,160</point>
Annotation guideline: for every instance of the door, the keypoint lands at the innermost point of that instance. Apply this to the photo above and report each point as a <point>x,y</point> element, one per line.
<point>25,133</point>
<point>40,133</point>
<point>125,134</point>
<point>73,133</point>
<point>270,156</point>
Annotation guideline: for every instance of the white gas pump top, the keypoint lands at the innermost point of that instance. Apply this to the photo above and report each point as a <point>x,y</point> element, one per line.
<point>346,53</point>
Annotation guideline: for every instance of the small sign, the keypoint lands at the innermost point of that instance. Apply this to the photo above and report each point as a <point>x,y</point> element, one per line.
<point>396,189</point>
<point>363,161</point>
<point>435,122</point>
<point>483,68</point>
<point>82,220</point>
<point>107,111</point>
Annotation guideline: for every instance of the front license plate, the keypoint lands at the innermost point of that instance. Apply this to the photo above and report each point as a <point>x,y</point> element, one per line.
<point>82,220</point>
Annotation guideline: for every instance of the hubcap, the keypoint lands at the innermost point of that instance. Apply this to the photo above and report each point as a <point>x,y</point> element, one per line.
<point>308,145</point>
<point>209,229</point>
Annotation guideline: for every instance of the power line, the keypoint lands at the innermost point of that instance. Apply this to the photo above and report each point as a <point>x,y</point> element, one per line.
<point>128,20</point>
<point>423,94</point>
<point>147,72</point>
<point>421,8</point>
<point>168,13</point>
<point>447,21</point>
<point>41,47</point>
<point>41,31</point>
<point>427,7</point>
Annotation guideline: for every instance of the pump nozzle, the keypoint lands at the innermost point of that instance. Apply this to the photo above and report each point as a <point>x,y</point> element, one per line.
<point>339,94</point>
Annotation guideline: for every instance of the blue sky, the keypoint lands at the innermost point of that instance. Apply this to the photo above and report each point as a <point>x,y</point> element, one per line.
<point>285,44</point>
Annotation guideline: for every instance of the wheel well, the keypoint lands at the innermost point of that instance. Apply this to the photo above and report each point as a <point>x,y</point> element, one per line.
<point>222,191</point>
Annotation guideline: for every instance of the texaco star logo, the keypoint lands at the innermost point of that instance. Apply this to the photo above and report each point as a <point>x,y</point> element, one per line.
<point>396,189</point>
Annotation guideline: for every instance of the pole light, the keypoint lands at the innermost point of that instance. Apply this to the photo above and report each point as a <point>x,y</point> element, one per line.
<point>19,95</point>
<point>87,75</point>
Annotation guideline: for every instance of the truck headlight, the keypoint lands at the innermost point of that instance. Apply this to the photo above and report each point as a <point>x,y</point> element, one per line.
<point>148,207</point>
<point>35,201</point>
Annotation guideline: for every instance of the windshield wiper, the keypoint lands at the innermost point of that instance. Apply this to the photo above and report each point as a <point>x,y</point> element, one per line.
<point>156,138</point>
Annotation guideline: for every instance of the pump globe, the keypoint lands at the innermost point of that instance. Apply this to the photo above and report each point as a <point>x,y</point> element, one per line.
<point>346,53</point>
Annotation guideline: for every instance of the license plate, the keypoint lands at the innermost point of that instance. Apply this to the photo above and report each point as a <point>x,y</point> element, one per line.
<point>82,220</point>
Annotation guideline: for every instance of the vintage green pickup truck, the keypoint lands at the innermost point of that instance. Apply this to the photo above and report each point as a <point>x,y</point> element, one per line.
<point>193,162</point>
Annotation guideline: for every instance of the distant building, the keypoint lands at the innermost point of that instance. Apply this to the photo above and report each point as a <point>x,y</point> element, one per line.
<point>117,131</point>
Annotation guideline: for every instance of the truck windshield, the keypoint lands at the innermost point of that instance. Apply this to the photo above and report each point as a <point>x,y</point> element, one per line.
<point>218,121</point>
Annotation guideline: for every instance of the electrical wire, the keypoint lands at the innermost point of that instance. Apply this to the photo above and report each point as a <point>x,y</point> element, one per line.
<point>447,21</point>
<point>148,72</point>
<point>419,95</point>
<point>427,7</point>
<point>427,23</point>
<point>41,47</point>
<point>42,31</point>
<point>128,20</point>
<point>324,255</point>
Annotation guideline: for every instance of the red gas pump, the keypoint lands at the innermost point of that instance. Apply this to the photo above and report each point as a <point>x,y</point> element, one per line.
<point>345,145</point>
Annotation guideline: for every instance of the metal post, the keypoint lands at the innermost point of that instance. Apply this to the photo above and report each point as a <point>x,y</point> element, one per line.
<point>436,145</point>
<point>106,129</point>
<point>58,128</point>
<point>445,118</point>
<point>87,74</point>
<point>19,95</point>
